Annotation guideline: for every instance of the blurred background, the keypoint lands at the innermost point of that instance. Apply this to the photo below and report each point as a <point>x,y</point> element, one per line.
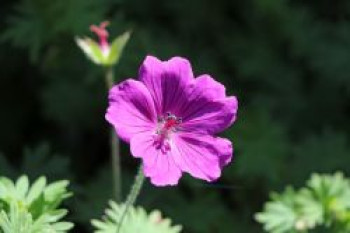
<point>287,61</point>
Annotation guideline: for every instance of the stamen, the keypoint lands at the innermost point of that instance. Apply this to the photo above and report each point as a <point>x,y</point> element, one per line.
<point>179,120</point>
<point>168,124</point>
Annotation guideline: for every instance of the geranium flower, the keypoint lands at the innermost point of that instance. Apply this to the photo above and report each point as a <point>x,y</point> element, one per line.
<point>170,120</point>
<point>102,52</point>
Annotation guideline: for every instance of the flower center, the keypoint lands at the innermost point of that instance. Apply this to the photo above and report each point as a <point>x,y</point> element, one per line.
<point>167,125</point>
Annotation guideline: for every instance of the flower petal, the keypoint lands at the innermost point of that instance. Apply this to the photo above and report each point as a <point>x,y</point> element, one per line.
<point>167,82</point>
<point>209,116</point>
<point>131,109</point>
<point>225,150</point>
<point>207,86</point>
<point>158,164</point>
<point>203,156</point>
<point>207,108</point>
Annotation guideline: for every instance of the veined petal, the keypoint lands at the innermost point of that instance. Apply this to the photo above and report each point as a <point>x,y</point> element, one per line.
<point>207,86</point>
<point>131,110</point>
<point>225,150</point>
<point>208,116</point>
<point>167,82</point>
<point>202,156</point>
<point>207,108</point>
<point>158,164</point>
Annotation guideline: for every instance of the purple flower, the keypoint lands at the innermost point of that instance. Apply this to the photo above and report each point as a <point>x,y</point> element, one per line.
<point>170,119</point>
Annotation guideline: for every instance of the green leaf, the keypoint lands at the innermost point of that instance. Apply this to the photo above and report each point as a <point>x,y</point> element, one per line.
<point>55,215</point>
<point>16,221</point>
<point>57,191</point>
<point>280,215</point>
<point>22,186</point>
<point>117,48</point>
<point>33,210</point>
<point>137,220</point>
<point>62,226</point>
<point>36,190</point>
<point>323,203</point>
<point>333,192</point>
<point>91,49</point>
<point>311,210</point>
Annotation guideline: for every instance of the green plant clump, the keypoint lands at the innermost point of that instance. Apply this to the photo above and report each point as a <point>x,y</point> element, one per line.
<point>136,220</point>
<point>32,209</point>
<point>324,204</point>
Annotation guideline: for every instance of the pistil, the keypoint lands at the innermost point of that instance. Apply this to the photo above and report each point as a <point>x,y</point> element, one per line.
<point>167,125</point>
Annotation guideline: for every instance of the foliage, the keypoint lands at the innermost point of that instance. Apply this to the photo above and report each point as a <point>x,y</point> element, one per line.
<point>93,51</point>
<point>32,209</point>
<point>288,62</point>
<point>89,204</point>
<point>136,220</point>
<point>37,160</point>
<point>37,22</point>
<point>325,201</point>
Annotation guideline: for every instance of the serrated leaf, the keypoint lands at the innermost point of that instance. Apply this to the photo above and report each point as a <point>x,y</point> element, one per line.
<point>55,215</point>
<point>36,190</point>
<point>324,202</point>
<point>22,186</point>
<point>280,215</point>
<point>56,190</point>
<point>137,220</point>
<point>311,210</point>
<point>62,226</point>
<point>29,211</point>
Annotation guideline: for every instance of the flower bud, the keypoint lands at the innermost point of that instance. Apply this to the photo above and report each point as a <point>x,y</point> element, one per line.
<point>102,52</point>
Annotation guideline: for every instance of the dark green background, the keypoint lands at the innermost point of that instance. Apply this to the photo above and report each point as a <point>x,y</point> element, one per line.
<point>287,61</point>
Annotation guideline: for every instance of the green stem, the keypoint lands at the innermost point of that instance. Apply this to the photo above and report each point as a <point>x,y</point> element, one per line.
<point>134,193</point>
<point>114,144</point>
<point>109,77</point>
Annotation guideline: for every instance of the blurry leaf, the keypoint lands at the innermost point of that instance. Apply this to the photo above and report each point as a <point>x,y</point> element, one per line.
<point>261,146</point>
<point>73,102</point>
<point>40,160</point>
<point>36,22</point>
<point>6,168</point>
<point>90,204</point>
<point>32,212</point>
<point>27,29</point>
<point>280,214</point>
<point>117,48</point>
<point>323,202</point>
<point>94,52</point>
<point>325,152</point>
<point>311,209</point>
<point>333,191</point>
<point>91,49</point>
<point>22,186</point>
<point>36,190</point>
<point>137,220</point>
<point>17,220</point>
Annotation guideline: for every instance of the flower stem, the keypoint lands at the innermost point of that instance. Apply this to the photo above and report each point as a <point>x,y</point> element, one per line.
<point>109,77</point>
<point>133,194</point>
<point>114,144</point>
